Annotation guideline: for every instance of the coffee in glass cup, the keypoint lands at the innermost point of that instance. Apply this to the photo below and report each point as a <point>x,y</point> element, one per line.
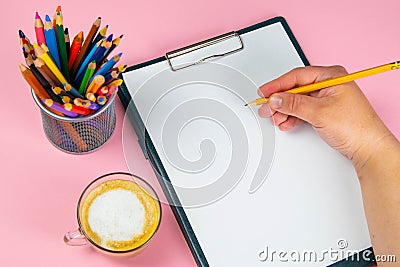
<point>117,213</point>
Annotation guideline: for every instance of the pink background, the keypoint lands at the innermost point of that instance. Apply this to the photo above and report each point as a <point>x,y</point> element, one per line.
<point>41,185</point>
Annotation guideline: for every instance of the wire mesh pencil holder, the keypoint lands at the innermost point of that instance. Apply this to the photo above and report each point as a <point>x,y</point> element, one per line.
<point>79,135</point>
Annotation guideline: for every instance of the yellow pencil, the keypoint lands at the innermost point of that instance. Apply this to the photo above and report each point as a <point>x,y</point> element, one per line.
<point>40,52</point>
<point>332,82</point>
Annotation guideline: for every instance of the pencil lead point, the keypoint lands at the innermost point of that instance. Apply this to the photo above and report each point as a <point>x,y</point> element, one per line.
<point>21,34</point>
<point>37,16</point>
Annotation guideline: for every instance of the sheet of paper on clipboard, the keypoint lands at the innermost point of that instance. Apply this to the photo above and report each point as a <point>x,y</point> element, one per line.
<point>241,187</point>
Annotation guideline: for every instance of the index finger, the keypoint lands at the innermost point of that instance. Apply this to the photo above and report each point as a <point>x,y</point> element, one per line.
<point>298,77</point>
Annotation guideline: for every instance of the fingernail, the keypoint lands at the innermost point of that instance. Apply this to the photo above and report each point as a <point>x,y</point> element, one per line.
<point>275,101</point>
<point>260,93</point>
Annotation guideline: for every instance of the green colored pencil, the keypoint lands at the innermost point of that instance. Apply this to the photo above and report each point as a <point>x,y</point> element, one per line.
<point>88,74</point>
<point>62,47</point>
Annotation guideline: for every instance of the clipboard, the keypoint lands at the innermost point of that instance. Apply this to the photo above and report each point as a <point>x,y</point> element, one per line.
<point>185,58</point>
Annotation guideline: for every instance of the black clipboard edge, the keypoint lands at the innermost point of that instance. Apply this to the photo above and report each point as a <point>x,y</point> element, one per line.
<point>150,152</point>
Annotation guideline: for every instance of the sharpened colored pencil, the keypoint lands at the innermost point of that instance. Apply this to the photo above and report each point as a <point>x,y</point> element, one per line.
<point>62,47</point>
<point>39,30</point>
<point>95,85</point>
<point>100,35</point>
<point>87,104</point>
<point>111,76</point>
<point>61,93</point>
<point>91,97</point>
<point>85,63</point>
<point>51,41</point>
<point>115,43</point>
<point>59,107</point>
<point>75,47</point>
<point>72,91</point>
<point>121,68</point>
<point>85,46</point>
<point>40,77</point>
<point>88,74</point>
<point>77,109</point>
<point>116,82</point>
<point>52,79</point>
<point>106,67</point>
<point>25,43</point>
<point>33,82</point>
<point>49,62</point>
<point>99,54</point>
<point>67,41</point>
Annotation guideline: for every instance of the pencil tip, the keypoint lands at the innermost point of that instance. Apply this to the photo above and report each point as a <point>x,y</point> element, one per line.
<point>21,34</point>
<point>48,18</point>
<point>37,16</point>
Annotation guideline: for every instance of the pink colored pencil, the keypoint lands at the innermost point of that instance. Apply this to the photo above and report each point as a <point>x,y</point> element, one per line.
<point>39,30</point>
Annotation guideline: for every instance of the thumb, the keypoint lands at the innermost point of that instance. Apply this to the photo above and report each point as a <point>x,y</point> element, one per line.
<point>297,105</point>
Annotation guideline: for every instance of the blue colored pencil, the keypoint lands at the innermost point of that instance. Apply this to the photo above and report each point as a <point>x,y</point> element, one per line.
<point>72,91</point>
<point>85,63</point>
<point>107,66</point>
<point>51,41</point>
<point>98,55</point>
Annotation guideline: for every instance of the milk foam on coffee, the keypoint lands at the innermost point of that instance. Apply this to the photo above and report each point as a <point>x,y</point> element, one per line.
<point>119,215</point>
<point>116,215</point>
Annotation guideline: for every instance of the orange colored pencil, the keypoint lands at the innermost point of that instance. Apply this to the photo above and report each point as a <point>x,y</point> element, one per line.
<point>85,46</point>
<point>74,50</point>
<point>33,82</point>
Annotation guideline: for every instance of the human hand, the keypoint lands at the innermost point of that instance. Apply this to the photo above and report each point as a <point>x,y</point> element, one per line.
<point>340,114</point>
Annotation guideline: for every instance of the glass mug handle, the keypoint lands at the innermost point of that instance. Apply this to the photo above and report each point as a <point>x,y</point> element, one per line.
<point>75,238</point>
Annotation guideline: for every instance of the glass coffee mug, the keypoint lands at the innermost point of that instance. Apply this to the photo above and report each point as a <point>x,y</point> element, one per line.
<point>118,213</point>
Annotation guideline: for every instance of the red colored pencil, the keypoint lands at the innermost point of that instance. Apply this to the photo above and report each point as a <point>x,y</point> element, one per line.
<point>75,47</point>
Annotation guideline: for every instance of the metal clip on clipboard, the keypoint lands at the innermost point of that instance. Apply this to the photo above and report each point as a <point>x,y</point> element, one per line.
<point>186,57</point>
<point>207,50</point>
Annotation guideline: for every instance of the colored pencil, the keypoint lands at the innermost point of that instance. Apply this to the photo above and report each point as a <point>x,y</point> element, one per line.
<point>85,46</point>
<point>75,47</point>
<point>33,82</point>
<point>25,43</point>
<point>72,91</point>
<point>42,67</point>
<point>51,41</point>
<point>66,99</point>
<point>99,54</point>
<point>121,68</point>
<point>76,138</point>
<point>88,74</point>
<point>76,109</point>
<point>62,47</point>
<point>112,90</point>
<point>85,63</point>
<point>115,43</point>
<point>49,62</point>
<point>40,77</point>
<point>332,82</point>
<point>106,67</point>
<point>87,104</point>
<point>103,90</point>
<point>116,82</point>
<point>95,85</point>
<point>67,41</point>
<point>110,76</point>
<point>101,100</point>
<point>39,30</point>
<point>62,93</point>
<point>59,107</point>
<point>91,97</point>
<point>100,35</point>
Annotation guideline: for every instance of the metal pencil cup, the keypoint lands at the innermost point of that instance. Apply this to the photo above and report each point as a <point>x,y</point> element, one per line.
<point>79,135</point>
